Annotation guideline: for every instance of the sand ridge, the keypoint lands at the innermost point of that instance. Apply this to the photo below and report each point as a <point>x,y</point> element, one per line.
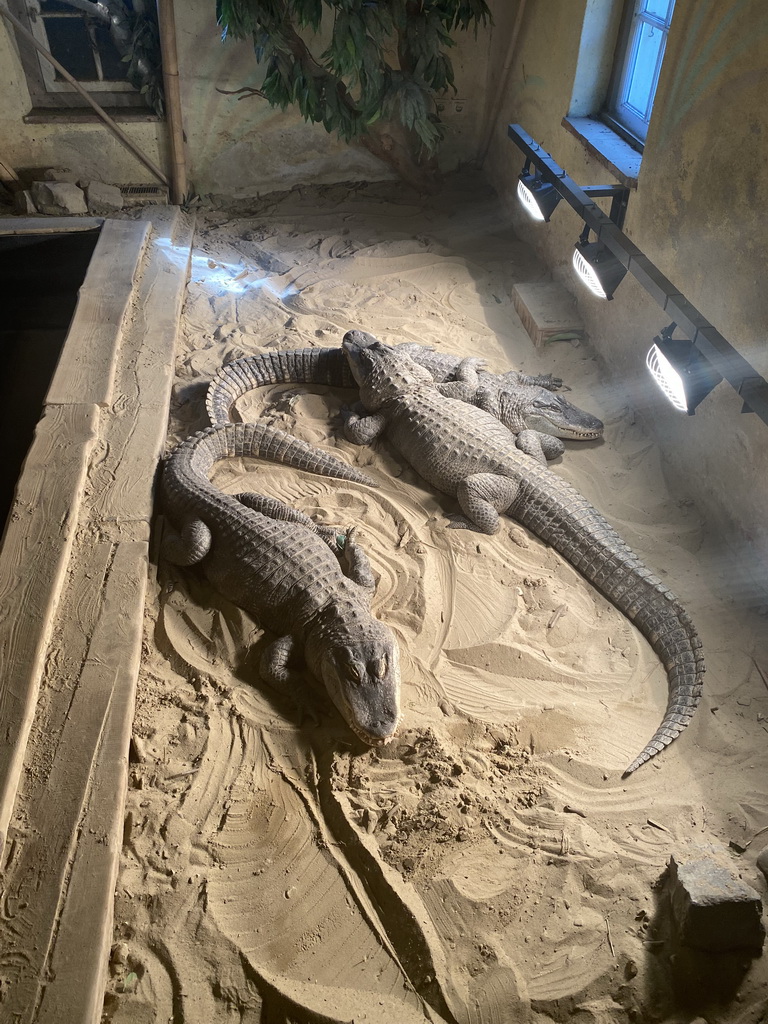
<point>489,865</point>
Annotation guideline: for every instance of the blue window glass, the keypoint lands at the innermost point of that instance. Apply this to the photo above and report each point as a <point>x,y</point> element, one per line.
<point>638,65</point>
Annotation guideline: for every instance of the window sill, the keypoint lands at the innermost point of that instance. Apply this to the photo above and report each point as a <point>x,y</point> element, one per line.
<point>68,115</point>
<point>606,146</point>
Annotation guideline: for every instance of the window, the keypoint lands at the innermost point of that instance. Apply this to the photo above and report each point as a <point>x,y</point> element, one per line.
<point>642,41</point>
<point>92,41</point>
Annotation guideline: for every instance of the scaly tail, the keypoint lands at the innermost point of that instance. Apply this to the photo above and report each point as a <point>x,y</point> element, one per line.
<point>562,517</point>
<point>290,366</point>
<point>231,440</point>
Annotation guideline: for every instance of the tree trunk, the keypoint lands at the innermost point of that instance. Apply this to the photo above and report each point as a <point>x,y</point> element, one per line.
<point>395,146</point>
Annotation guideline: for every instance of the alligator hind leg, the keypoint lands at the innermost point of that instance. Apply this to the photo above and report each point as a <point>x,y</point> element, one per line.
<point>275,509</point>
<point>187,547</point>
<point>482,496</point>
<point>355,563</point>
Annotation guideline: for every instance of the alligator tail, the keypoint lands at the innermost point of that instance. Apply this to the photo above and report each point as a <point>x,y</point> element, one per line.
<point>232,440</point>
<point>288,366</point>
<point>562,517</point>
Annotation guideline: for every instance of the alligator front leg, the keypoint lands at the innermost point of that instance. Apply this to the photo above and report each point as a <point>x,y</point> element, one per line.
<point>539,446</point>
<point>356,565</point>
<point>189,546</point>
<point>278,668</point>
<point>482,496</point>
<point>363,429</point>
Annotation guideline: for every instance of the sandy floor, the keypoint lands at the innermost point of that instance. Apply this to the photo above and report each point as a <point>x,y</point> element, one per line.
<point>489,866</point>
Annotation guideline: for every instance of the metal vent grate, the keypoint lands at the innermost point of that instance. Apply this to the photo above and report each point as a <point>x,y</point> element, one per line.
<point>144,194</point>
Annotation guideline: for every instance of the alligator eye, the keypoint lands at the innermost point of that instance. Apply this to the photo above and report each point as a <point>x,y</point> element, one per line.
<point>355,672</point>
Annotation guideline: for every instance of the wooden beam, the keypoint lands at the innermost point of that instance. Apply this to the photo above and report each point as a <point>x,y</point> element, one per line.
<point>47,225</point>
<point>87,366</point>
<point>65,840</point>
<point>167,26</point>
<point>33,565</point>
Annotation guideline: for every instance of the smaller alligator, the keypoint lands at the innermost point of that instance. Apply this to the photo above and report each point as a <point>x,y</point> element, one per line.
<point>463,451</point>
<point>524,404</point>
<point>307,583</point>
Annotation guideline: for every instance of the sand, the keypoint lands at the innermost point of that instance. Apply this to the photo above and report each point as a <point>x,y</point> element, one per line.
<point>489,865</point>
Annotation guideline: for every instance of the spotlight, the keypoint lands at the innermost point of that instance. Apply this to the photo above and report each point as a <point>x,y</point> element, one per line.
<point>598,268</point>
<point>538,197</point>
<point>681,371</point>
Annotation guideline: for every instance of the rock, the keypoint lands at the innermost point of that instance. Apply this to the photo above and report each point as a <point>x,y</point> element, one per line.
<point>60,174</point>
<point>58,198</point>
<point>103,199</point>
<point>23,203</point>
<point>712,907</point>
<point>762,862</point>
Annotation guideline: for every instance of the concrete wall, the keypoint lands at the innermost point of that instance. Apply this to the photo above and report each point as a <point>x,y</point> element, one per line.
<point>235,146</point>
<point>699,213</point>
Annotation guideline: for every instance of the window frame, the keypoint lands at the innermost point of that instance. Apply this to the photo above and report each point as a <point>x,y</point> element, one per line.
<point>47,93</point>
<point>615,112</point>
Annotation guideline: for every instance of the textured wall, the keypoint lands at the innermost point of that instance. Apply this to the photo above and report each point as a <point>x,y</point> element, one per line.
<point>235,146</point>
<point>699,214</point>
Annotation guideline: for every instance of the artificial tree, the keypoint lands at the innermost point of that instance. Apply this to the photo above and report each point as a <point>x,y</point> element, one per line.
<point>375,81</point>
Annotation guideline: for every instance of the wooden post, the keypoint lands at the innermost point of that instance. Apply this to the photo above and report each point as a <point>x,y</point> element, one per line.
<point>167,24</point>
<point>7,173</point>
<point>115,128</point>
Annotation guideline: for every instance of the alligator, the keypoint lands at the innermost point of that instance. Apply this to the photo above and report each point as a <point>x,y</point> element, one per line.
<point>464,451</point>
<point>309,584</point>
<point>525,404</point>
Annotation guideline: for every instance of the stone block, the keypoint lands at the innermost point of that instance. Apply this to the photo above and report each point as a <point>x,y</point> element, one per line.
<point>547,310</point>
<point>60,174</point>
<point>58,198</point>
<point>23,203</point>
<point>103,199</point>
<point>762,862</point>
<point>712,907</point>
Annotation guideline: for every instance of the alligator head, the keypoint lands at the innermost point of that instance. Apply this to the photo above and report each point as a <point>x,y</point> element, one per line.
<point>380,371</point>
<point>552,414</point>
<point>361,672</point>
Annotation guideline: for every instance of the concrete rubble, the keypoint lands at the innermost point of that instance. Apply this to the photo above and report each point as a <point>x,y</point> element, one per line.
<point>713,908</point>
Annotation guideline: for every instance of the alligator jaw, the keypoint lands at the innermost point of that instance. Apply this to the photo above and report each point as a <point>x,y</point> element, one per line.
<point>362,677</point>
<point>552,414</point>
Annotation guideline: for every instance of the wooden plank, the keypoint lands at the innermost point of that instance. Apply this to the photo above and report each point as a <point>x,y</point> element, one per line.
<point>43,225</point>
<point>123,482</point>
<point>60,935</point>
<point>547,310</point>
<point>85,926</point>
<point>33,563</point>
<point>86,369</point>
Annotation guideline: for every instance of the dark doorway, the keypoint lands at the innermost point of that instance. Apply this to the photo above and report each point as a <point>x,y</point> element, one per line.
<point>40,276</point>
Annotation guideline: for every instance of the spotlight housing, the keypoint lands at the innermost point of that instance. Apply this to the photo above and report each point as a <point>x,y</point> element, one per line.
<point>681,371</point>
<point>598,268</point>
<point>538,197</point>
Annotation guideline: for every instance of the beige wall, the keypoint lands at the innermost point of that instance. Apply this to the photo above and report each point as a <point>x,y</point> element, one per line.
<point>235,146</point>
<point>699,212</point>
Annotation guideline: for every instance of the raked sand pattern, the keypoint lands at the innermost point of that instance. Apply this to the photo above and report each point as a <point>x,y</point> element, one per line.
<point>489,866</point>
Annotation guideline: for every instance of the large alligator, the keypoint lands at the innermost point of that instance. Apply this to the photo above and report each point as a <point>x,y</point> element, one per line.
<point>524,404</point>
<point>464,451</point>
<point>306,583</point>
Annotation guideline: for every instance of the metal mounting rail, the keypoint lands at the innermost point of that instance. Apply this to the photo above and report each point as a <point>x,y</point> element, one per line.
<point>730,364</point>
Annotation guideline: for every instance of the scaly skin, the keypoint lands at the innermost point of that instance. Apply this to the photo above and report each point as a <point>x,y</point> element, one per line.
<point>277,564</point>
<point>463,450</point>
<point>525,405</point>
